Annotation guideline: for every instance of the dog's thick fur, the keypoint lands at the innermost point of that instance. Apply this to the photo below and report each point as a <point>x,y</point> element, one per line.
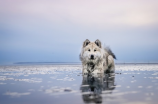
<point>96,58</point>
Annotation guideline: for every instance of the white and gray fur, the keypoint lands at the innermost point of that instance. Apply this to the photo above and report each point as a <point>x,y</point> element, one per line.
<point>103,58</point>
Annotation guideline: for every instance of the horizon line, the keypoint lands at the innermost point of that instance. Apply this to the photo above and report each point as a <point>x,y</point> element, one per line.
<point>81,62</point>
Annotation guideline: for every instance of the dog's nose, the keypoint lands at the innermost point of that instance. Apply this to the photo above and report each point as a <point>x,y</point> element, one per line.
<point>92,56</point>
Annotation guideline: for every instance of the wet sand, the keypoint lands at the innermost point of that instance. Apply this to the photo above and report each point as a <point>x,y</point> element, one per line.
<point>64,84</point>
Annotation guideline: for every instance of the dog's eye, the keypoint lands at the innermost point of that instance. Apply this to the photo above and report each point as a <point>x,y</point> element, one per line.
<point>94,50</point>
<point>89,50</point>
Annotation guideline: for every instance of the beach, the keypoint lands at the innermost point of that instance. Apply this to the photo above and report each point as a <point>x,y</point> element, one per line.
<point>65,84</point>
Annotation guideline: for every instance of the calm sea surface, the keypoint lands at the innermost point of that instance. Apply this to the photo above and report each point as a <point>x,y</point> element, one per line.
<point>64,84</point>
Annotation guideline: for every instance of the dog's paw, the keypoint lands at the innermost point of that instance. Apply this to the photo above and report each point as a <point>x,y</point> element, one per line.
<point>97,71</point>
<point>85,72</point>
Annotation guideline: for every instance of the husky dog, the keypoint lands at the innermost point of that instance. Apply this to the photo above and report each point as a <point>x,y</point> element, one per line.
<point>96,58</point>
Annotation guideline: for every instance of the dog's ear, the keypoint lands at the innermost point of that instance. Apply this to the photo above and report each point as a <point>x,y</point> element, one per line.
<point>86,42</point>
<point>98,43</point>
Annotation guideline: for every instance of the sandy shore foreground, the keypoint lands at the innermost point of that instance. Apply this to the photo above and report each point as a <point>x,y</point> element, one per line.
<point>64,84</point>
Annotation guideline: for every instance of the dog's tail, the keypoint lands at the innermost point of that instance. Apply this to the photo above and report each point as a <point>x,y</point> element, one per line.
<point>110,52</point>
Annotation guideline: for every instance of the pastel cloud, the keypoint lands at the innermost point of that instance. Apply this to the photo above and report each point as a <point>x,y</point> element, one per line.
<point>16,94</point>
<point>102,13</point>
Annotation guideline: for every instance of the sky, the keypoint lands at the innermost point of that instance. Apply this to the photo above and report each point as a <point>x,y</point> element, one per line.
<point>54,30</point>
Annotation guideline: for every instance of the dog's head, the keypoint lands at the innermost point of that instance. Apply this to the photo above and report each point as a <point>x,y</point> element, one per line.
<point>92,51</point>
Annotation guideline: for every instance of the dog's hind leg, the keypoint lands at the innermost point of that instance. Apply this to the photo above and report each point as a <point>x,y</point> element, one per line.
<point>111,65</point>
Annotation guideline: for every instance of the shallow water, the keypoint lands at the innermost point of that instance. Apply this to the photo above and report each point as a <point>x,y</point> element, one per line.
<point>64,84</point>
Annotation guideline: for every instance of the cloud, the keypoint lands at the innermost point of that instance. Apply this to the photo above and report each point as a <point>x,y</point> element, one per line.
<point>16,94</point>
<point>102,13</point>
<point>2,83</point>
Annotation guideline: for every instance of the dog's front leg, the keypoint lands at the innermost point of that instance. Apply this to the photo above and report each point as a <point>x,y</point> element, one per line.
<point>84,70</point>
<point>98,69</point>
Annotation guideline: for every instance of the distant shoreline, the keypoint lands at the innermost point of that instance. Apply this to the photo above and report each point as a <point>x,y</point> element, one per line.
<point>69,63</point>
<point>47,63</point>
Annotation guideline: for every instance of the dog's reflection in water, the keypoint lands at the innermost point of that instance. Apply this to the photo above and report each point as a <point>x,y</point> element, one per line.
<point>93,86</point>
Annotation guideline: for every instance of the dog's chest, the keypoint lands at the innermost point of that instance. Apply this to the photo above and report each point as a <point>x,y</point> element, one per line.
<point>90,67</point>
